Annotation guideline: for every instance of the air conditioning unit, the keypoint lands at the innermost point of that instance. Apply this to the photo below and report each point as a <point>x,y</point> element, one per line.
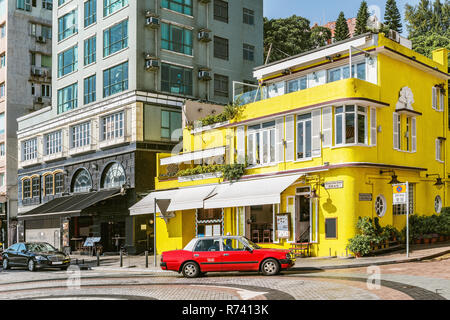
<point>204,75</point>
<point>41,39</point>
<point>152,22</point>
<point>37,72</point>
<point>204,36</point>
<point>151,64</point>
<point>394,35</point>
<point>39,100</point>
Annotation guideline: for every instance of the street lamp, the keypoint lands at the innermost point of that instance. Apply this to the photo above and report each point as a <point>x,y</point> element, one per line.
<point>439,183</point>
<point>394,179</point>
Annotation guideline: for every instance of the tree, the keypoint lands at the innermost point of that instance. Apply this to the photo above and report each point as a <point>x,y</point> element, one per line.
<point>341,32</point>
<point>419,18</point>
<point>361,19</point>
<point>320,36</point>
<point>288,37</point>
<point>392,17</point>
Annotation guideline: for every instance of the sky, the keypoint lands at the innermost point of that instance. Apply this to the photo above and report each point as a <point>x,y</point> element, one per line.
<point>323,11</point>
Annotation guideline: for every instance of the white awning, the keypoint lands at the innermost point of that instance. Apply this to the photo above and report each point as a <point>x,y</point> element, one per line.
<point>249,193</point>
<point>187,157</point>
<point>181,199</point>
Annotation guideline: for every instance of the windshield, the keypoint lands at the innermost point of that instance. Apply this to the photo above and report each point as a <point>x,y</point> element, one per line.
<point>40,247</point>
<point>249,243</point>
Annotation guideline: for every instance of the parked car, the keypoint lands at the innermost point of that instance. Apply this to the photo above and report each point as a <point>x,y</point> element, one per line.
<point>225,253</point>
<point>33,256</point>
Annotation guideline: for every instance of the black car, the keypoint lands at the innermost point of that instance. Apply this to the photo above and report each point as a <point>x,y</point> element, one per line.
<point>33,256</point>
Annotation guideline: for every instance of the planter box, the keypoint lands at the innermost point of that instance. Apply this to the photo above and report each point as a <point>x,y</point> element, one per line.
<point>200,177</point>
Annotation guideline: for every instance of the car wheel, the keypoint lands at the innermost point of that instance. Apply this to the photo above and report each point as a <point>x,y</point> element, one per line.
<point>5,264</point>
<point>31,265</point>
<point>270,267</point>
<point>191,270</point>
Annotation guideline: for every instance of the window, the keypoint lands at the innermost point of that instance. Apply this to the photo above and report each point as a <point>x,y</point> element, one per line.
<point>111,6</point>
<point>24,5</point>
<point>89,89</point>
<point>67,25</point>
<point>176,39</point>
<point>440,150</point>
<point>249,52</point>
<point>438,204</point>
<point>26,188</point>
<point>47,4</point>
<point>115,79</point>
<point>90,12</point>
<point>90,50</point>
<point>2,30</point>
<point>297,84</point>
<point>400,209</point>
<point>53,143</point>
<point>2,60</point>
<point>380,205</point>
<point>221,85</point>
<point>68,98</point>
<point>46,32</point>
<point>60,2</point>
<point>2,90</point>
<point>181,6</point>
<point>2,7</point>
<point>304,136</point>
<point>350,125</point>
<point>113,126</point>
<point>207,245</point>
<point>170,121</point>
<point>404,140</point>
<point>221,48</point>
<point>248,16</point>
<point>33,28</point>
<point>2,123</point>
<point>114,177</point>
<point>81,135</point>
<point>46,61</point>
<point>82,181</point>
<point>330,228</point>
<point>261,222</point>
<point>2,179</point>
<point>177,80</point>
<point>221,10</point>
<point>29,149</point>
<point>36,187</point>
<point>59,183</point>
<point>68,61</point>
<point>48,184</point>
<point>46,90</point>
<point>2,149</point>
<point>343,72</point>
<point>115,38</point>
<point>261,144</point>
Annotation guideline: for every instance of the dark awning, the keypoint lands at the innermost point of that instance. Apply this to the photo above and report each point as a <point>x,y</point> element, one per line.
<point>70,206</point>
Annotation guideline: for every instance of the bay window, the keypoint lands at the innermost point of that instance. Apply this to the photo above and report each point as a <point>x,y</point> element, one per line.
<point>261,144</point>
<point>350,125</point>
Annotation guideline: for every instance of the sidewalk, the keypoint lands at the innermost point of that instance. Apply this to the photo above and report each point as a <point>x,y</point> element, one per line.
<point>417,253</point>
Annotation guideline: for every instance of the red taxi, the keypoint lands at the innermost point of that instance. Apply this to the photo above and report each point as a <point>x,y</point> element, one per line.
<point>225,253</point>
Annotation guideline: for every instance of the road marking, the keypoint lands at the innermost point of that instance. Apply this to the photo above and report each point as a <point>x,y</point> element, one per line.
<point>243,293</point>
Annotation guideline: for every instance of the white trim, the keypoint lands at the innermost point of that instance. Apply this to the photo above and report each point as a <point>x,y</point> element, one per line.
<point>197,155</point>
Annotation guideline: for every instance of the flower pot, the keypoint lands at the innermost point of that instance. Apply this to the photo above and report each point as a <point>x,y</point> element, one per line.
<point>357,255</point>
<point>441,238</point>
<point>426,240</point>
<point>434,240</point>
<point>418,241</point>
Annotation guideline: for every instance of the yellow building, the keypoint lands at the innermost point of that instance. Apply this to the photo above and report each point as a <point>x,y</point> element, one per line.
<point>324,134</point>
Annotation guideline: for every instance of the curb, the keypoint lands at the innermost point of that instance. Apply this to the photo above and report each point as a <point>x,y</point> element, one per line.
<point>368,264</point>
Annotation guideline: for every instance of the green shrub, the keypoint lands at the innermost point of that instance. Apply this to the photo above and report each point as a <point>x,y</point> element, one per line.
<point>360,244</point>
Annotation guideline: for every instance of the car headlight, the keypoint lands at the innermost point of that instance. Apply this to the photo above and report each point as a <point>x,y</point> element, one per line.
<point>41,258</point>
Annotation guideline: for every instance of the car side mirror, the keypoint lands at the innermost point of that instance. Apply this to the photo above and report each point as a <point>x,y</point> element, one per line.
<point>249,249</point>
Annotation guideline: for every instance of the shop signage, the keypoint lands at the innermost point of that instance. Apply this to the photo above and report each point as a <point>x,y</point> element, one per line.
<point>283,226</point>
<point>334,185</point>
<point>400,193</point>
<point>365,197</point>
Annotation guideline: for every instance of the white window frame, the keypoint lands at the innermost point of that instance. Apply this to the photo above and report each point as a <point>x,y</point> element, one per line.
<point>53,142</point>
<point>439,148</point>
<point>80,135</point>
<point>304,123</point>
<point>343,115</point>
<point>117,120</point>
<point>252,134</point>
<point>29,149</point>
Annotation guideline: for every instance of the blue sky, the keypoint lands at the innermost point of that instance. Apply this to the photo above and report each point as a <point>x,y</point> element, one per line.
<point>322,11</point>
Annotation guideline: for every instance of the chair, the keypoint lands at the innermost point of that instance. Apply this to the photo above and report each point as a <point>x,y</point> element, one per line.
<point>266,236</point>
<point>255,236</point>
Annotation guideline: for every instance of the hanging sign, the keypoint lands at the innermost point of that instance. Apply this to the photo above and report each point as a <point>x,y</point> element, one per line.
<point>283,226</point>
<point>400,193</point>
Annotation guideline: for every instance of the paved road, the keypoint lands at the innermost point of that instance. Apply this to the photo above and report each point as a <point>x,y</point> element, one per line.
<point>428,280</point>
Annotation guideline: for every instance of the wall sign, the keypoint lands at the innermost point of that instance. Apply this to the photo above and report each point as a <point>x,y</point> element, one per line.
<point>334,185</point>
<point>365,197</point>
<point>400,193</point>
<point>283,226</point>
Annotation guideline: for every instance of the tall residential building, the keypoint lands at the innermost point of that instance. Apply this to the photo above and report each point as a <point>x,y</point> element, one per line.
<point>123,70</point>
<point>25,86</point>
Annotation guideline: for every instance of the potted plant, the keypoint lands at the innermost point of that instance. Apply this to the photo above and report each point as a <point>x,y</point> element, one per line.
<point>427,238</point>
<point>359,245</point>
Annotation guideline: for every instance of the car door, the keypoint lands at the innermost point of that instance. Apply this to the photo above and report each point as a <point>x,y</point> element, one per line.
<point>12,253</point>
<point>208,254</point>
<point>236,257</point>
<point>21,257</point>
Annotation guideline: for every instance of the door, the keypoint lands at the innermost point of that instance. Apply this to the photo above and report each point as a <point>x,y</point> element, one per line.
<point>303,218</point>
<point>22,258</point>
<point>208,254</point>
<point>12,253</point>
<point>237,258</point>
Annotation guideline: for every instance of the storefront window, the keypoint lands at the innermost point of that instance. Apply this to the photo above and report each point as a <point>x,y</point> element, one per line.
<point>209,222</point>
<point>261,225</point>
